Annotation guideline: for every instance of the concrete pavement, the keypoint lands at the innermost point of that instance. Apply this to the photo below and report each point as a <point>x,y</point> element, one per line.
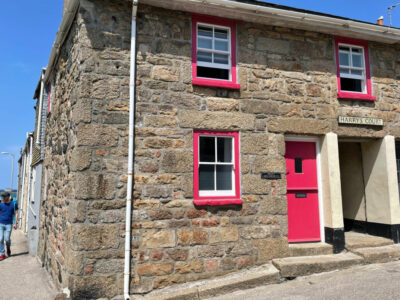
<point>21,276</point>
<point>377,281</point>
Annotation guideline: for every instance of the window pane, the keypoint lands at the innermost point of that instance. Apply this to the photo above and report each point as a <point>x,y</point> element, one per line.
<point>221,45</point>
<point>357,61</point>
<point>204,56</point>
<point>207,149</point>
<point>356,72</point>
<point>206,177</point>
<point>344,59</point>
<point>205,72</point>
<point>356,50</point>
<point>224,178</point>
<point>221,59</point>
<point>344,71</point>
<point>224,149</point>
<point>205,43</point>
<point>344,48</point>
<point>205,31</point>
<point>298,165</point>
<point>221,33</point>
<point>352,85</point>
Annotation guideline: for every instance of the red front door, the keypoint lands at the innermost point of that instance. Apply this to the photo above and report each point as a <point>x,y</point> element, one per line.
<point>302,192</point>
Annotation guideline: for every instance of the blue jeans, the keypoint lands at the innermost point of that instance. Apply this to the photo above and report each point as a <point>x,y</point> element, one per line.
<point>5,234</point>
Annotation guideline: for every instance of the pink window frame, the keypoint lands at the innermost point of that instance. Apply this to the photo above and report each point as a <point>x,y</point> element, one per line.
<point>353,95</point>
<point>217,200</point>
<point>229,84</point>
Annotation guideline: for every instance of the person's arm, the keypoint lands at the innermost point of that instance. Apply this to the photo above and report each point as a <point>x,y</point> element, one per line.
<point>16,216</point>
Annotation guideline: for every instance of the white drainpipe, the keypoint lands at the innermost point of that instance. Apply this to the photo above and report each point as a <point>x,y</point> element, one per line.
<point>29,180</point>
<point>128,221</point>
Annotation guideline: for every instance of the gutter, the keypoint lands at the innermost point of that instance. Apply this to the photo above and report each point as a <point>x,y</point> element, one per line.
<point>128,220</point>
<point>63,30</point>
<point>318,22</point>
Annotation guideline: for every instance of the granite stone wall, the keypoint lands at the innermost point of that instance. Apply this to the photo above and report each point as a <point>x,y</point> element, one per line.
<point>288,86</point>
<point>82,215</point>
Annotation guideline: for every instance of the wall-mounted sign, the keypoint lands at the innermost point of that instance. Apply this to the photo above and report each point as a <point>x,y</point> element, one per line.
<point>271,175</point>
<point>360,121</point>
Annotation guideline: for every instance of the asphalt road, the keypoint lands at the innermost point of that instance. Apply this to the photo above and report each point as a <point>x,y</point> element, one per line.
<point>378,281</point>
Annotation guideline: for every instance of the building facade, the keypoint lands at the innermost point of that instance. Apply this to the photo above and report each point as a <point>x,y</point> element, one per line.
<point>256,126</point>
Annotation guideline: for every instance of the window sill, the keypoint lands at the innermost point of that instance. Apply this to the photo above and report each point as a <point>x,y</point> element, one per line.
<point>217,202</point>
<point>216,83</point>
<point>350,95</point>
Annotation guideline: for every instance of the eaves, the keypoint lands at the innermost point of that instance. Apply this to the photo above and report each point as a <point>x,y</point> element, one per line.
<point>283,16</point>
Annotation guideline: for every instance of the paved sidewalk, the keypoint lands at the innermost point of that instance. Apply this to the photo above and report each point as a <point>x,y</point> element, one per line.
<point>21,276</point>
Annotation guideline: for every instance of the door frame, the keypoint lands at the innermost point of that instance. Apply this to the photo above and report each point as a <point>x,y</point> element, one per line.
<point>317,141</point>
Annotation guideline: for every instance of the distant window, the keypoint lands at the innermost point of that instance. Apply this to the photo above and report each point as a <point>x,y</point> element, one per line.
<point>353,72</point>
<point>214,52</point>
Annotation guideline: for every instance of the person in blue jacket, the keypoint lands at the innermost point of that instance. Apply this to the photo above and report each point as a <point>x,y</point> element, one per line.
<point>7,211</point>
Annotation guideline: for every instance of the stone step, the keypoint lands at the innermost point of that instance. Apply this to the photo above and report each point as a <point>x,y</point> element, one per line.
<point>355,240</point>
<point>291,267</point>
<point>379,254</point>
<point>246,279</point>
<point>310,249</point>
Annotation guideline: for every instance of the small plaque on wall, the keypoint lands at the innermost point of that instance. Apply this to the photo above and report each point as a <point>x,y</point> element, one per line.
<point>271,175</point>
<point>360,121</point>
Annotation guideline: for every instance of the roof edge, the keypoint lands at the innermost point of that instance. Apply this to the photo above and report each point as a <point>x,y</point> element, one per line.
<point>63,30</point>
<point>284,17</point>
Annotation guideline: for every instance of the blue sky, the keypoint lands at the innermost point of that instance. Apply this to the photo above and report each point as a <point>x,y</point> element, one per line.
<point>28,30</point>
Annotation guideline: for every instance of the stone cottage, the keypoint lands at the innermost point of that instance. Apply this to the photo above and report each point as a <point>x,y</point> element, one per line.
<point>255,126</point>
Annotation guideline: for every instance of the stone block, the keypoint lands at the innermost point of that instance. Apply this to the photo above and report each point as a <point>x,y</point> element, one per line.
<point>252,143</point>
<point>255,232</point>
<point>177,161</point>
<point>118,105</point>
<point>73,261</point>
<point>192,237</point>
<point>94,186</point>
<point>165,73</point>
<point>154,269</point>
<point>158,239</point>
<point>82,111</point>
<point>95,237</point>
<point>269,164</point>
<point>189,267</point>
<point>160,121</point>
<point>272,248</point>
<point>222,104</point>
<point>274,205</point>
<point>242,247</point>
<point>211,251</point>
<point>253,184</point>
<point>216,120</point>
<point>81,159</point>
<point>76,211</point>
<point>96,135</point>
<point>225,234</point>
<point>109,266</point>
<point>259,107</point>
<point>162,143</point>
<point>326,112</point>
<point>112,216</point>
<point>300,126</point>
<point>272,45</point>
<point>178,254</point>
